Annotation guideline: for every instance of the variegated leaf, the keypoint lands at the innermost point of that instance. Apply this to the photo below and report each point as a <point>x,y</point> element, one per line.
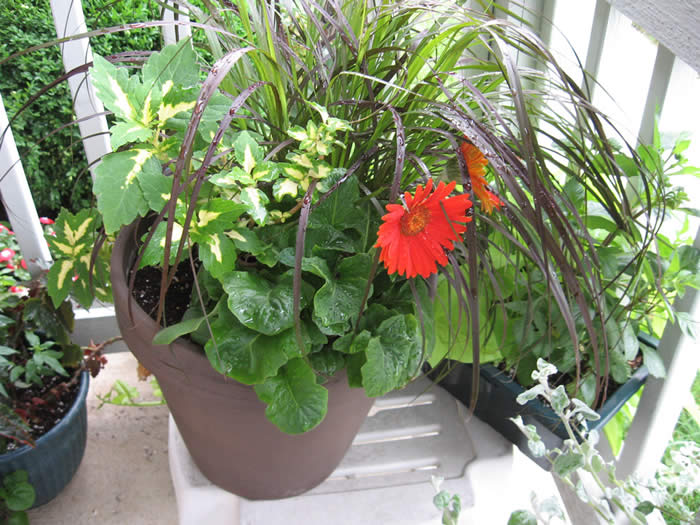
<point>154,252</point>
<point>119,196</point>
<point>255,202</point>
<point>112,86</point>
<point>248,152</point>
<point>127,132</point>
<point>284,187</point>
<point>218,255</point>
<point>74,234</point>
<point>217,216</point>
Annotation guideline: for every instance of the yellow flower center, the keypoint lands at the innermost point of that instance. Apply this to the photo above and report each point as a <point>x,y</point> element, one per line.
<point>413,222</point>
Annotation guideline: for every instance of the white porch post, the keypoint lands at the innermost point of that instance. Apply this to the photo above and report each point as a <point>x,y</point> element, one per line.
<point>70,20</point>
<point>19,203</point>
<point>662,400</point>
<point>175,32</point>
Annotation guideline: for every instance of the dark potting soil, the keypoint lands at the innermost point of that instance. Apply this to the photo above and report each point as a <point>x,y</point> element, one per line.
<point>146,292</point>
<point>43,407</point>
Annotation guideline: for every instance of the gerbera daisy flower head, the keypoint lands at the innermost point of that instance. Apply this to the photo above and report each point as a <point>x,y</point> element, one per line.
<point>414,236</point>
<point>476,167</point>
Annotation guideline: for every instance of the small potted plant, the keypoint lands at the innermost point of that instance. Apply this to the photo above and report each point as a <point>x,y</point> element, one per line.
<point>43,381</point>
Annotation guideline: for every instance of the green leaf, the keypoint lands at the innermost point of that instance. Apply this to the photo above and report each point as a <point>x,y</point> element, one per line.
<point>653,361</point>
<point>522,517</point>
<point>393,355</point>
<point>155,250</point>
<point>169,334</point>
<point>284,187</point>
<point>119,196</point>
<point>255,202</point>
<point>353,343</point>
<point>530,394</point>
<point>260,304</point>
<point>560,401</point>
<point>156,189</point>
<point>52,363</point>
<point>176,64</point>
<point>534,441</point>
<point>243,354</point>
<point>327,362</point>
<point>645,507</point>
<point>248,152</point>
<point>6,350</point>
<point>128,132</point>
<point>338,209</point>
<point>20,495</point>
<point>18,518</point>
<point>112,86</point>
<point>217,216</point>
<point>218,254</point>
<point>74,234</point>
<point>337,303</point>
<point>296,403</point>
<point>297,133</point>
<point>582,408</point>
<point>248,241</point>
<point>567,463</point>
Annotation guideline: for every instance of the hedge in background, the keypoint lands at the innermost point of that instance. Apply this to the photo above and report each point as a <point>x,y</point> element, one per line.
<point>56,167</point>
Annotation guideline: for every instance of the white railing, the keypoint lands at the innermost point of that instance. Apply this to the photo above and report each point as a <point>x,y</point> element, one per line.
<point>644,77</point>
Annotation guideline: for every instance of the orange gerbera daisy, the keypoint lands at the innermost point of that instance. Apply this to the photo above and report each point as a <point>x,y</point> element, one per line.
<point>476,164</point>
<point>414,236</point>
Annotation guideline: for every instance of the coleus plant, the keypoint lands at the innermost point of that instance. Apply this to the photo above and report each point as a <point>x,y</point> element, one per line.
<point>241,223</point>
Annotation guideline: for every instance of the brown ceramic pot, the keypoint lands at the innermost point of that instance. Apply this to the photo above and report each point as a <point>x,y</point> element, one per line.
<point>223,422</point>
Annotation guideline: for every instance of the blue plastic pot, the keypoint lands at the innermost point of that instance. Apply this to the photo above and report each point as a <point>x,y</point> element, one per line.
<point>53,462</point>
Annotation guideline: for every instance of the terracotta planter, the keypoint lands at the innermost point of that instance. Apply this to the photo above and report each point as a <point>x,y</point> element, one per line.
<point>221,421</point>
<point>53,462</point>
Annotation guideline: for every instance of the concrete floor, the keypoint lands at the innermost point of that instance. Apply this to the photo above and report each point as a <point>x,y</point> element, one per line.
<point>124,477</point>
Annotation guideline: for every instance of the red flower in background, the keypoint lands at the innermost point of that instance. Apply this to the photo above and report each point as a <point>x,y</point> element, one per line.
<point>23,264</point>
<point>476,167</point>
<point>46,220</point>
<point>6,254</point>
<point>4,228</point>
<point>414,237</point>
<point>19,290</point>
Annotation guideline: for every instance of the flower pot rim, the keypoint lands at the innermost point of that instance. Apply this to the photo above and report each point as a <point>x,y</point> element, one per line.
<point>70,415</point>
<point>119,270</point>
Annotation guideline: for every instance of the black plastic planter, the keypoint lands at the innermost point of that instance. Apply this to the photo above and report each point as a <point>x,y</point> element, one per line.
<point>54,460</point>
<point>496,404</point>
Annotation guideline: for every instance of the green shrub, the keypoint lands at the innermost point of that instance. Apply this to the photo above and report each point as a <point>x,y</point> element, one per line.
<point>55,163</point>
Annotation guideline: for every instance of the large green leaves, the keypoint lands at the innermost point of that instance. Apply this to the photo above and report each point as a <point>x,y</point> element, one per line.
<point>295,402</point>
<point>244,354</point>
<point>337,303</point>
<point>261,305</point>
<point>393,356</point>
